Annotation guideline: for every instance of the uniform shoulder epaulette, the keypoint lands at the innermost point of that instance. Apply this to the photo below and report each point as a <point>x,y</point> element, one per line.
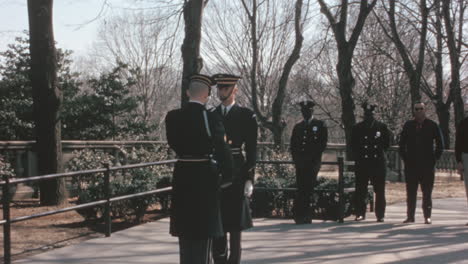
<point>249,113</point>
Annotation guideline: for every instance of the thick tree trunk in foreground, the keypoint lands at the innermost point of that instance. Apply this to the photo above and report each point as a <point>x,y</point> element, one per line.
<point>47,98</point>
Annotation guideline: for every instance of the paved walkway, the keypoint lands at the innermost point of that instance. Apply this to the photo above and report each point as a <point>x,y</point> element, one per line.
<point>280,241</point>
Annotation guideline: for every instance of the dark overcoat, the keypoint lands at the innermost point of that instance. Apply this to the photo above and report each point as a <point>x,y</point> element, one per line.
<point>195,204</point>
<point>241,130</point>
<point>308,141</point>
<point>369,141</point>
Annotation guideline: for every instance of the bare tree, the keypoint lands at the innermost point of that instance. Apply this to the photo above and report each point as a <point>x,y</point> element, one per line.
<point>262,42</point>
<point>454,42</point>
<point>192,61</point>
<point>47,99</point>
<point>345,56</point>
<point>146,42</point>
<point>379,76</point>
<point>413,66</point>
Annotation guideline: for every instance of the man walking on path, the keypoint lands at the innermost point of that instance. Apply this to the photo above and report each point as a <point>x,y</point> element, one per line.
<point>461,148</point>
<point>197,137</point>
<point>241,131</point>
<point>421,145</point>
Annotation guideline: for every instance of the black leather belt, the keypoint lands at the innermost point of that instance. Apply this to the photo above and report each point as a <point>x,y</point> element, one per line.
<point>195,158</point>
<point>236,151</point>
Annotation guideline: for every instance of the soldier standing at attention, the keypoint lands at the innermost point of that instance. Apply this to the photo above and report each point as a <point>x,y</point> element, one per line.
<point>308,141</point>
<point>369,140</point>
<point>197,137</point>
<point>241,130</point>
<point>461,149</point>
<point>421,145</point>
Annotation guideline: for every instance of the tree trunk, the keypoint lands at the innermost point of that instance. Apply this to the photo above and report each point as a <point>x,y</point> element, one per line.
<point>277,124</point>
<point>345,57</point>
<point>442,109</point>
<point>47,99</point>
<point>414,72</point>
<point>443,113</point>
<point>454,53</point>
<point>277,108</point>
<point>346,82</point>
<point>192,61</point>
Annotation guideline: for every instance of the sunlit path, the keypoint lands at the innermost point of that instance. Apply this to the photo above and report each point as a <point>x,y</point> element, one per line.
<point>280,241</point>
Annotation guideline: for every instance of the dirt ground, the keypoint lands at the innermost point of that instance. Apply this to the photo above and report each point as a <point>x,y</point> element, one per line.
<point>60,230</point>
<point>55,231</point>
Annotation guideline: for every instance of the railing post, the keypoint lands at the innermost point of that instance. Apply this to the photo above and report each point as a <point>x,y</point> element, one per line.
<point>6,216</point>
<point>107,193</point>
<point>341,189</point>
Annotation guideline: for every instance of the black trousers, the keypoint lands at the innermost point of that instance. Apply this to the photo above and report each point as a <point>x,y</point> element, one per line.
<point>306,177</point>
<point>195,251</point>
<point>419,173</point>
<point>373,171</point>
<point>224,255</point>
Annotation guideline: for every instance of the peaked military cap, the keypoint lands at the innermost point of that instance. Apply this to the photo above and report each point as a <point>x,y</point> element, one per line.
<point>307,104</point>
<point>222,79</point>
<point>368,107</point>
<point>205,79</point>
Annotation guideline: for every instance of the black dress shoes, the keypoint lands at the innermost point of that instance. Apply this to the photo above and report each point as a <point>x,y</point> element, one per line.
<point>380,220</point>
<point>428,221</point>
<point>303,221</point>
<point>408,220</point>
<point>360,218</point>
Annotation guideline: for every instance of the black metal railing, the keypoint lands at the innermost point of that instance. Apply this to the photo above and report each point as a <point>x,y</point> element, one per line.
<point>7,184</point>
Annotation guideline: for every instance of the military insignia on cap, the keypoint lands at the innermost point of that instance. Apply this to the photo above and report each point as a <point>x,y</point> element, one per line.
<point>222,79</point>
<point>205,79</point>
<point>368,107</point>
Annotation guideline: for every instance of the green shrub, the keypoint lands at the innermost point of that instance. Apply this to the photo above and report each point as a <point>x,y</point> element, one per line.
<point>324,200</point>
<point>91,187</point>
<point>6,169</point>
<point>265,202</point>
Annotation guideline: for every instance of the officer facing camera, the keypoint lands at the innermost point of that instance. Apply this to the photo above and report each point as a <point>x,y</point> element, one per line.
<point>308,141</point>
<point>369,141</point>
<point>241,131</point>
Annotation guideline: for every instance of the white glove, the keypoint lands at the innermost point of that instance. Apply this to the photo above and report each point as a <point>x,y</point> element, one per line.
<point>248,188</point>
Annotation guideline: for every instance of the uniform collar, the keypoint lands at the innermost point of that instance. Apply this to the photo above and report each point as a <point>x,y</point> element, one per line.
<point>197,102</point>
<point>228,108</point>
<point>307,122</point>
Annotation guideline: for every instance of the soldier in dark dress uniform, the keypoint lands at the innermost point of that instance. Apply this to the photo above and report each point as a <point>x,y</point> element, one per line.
<point>241,130</point>
<point>197,137</point>
<point>421,145</point>
<point>308,141</point>
<point>369,140</point>
<point>461,148</point>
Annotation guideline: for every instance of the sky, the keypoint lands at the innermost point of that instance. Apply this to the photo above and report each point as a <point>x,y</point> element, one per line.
<point>75,21</point>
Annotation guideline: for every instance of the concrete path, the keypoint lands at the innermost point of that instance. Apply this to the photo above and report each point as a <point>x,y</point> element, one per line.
<point>280,241</point>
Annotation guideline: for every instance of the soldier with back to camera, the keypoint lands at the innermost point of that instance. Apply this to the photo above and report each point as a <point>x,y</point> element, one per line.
<point>197,137</point>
